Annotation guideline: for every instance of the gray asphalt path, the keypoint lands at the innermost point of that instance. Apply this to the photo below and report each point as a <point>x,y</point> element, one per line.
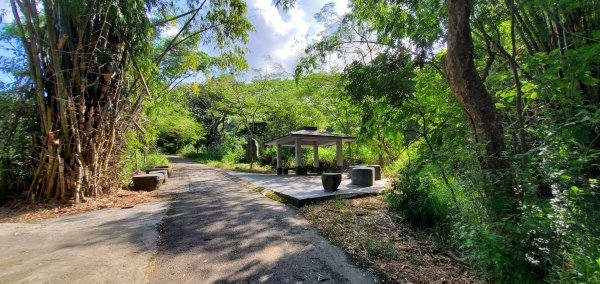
<point>217,231</point>
<point>105,246</point>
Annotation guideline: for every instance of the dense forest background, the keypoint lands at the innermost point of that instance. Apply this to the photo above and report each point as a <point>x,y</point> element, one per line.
<point>485,113</point>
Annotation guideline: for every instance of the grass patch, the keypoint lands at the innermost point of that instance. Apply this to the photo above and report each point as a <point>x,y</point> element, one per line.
<point>338,205</point>
<point>376,248</point>
<point>168,197</point>
<point>275,196</point>
<point>238,167</point>
<point>258,189</point>
<point>220,159</point>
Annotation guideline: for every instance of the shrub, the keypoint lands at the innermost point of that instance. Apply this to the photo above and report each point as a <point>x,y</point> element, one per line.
<point>416,200</point>
<point>230,151</point>
<point>154,160</point>
<point>495,254</point>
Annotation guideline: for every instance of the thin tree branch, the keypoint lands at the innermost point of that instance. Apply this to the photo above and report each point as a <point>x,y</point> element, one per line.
<point>184,28</point>
<point>162,22</point>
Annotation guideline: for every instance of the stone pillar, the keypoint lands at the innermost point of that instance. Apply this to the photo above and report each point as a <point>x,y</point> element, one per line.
<point>252,150</point>
<point>279,166</point>
<point>338,151</point>
<point>298,157</point>
<point>315,155</point>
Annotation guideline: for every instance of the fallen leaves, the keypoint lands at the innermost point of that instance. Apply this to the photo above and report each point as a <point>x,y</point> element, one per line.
<point>23,213</point>
<point>366,229</point>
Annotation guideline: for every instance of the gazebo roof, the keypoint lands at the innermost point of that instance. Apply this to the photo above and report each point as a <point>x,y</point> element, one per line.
<point>310,136</point>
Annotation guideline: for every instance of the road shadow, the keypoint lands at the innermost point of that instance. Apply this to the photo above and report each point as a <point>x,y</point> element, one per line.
<point>217,231</point>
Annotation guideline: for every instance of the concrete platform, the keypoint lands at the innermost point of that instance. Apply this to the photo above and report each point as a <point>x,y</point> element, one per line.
<point>302,190</point>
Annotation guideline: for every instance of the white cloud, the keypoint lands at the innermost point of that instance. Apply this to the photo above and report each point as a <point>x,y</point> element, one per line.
<point>276,34</point>
<point>280,37</point>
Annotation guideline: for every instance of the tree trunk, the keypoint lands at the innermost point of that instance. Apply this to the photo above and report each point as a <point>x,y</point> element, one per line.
<point>476,103</point>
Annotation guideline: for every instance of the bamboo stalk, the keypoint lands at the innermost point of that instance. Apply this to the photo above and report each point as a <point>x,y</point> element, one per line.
<point>52,176</point>
<point>32,58</point>
<point>61,180</point>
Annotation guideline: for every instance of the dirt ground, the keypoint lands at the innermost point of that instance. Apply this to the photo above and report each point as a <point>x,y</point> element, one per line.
<point>368,231</point>
<point>14,212</point>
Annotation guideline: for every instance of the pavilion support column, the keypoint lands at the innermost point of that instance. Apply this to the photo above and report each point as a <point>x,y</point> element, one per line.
<point>299,169</point>
<point>339,156</point>
<point>279,166</point>
<point>315,155</point>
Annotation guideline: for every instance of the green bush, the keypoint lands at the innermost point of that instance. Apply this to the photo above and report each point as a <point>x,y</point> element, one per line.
<point>154,160</point>
<point>416,200</point>
<point>496,255</point>
<point>231,150</point>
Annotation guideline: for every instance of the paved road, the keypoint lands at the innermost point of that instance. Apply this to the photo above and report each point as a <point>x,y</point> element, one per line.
<point>105,246</point>
<point>217,231</point>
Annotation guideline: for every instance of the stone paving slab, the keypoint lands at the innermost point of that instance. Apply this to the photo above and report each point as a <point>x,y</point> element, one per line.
<point>302,190</point>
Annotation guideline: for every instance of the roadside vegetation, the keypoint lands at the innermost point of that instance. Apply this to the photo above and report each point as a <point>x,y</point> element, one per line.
<point>485,113</point>
<point>381,240</point>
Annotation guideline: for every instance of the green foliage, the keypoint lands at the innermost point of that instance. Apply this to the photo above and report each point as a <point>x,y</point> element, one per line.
<point>231,151</point>
<point>137,157</point>
<point>418,202</point>
<point>539,63</point>
<point>155,160</point>
<point>495,253</point>
<point>17,120</point>
<point>387,79</point>
<point>15,126</point>
<point>175,129</point>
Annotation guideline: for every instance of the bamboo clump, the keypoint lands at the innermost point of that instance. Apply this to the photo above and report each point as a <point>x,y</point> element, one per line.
<point>78,62</point>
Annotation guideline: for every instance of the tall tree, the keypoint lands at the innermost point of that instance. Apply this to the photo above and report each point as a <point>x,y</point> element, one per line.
<point>88,63</point>
<point>471,94</point>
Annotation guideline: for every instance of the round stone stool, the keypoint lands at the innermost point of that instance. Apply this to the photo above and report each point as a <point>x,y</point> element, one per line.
<point>331,181</point>
<point>350,168</point>
<point>363,176</point>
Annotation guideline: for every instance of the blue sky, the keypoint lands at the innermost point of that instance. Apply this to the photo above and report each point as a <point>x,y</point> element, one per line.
<point>279,37</point>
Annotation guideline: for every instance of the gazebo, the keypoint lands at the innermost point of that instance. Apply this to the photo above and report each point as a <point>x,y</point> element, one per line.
<point>309,136</point>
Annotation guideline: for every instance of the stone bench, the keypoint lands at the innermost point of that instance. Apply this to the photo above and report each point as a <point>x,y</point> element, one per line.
<point>299,171</point>
<point>363,176</point>
<point>169,170</point>
<point>147,182</point>
<point>331,181</point>
<point>163,172</point>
